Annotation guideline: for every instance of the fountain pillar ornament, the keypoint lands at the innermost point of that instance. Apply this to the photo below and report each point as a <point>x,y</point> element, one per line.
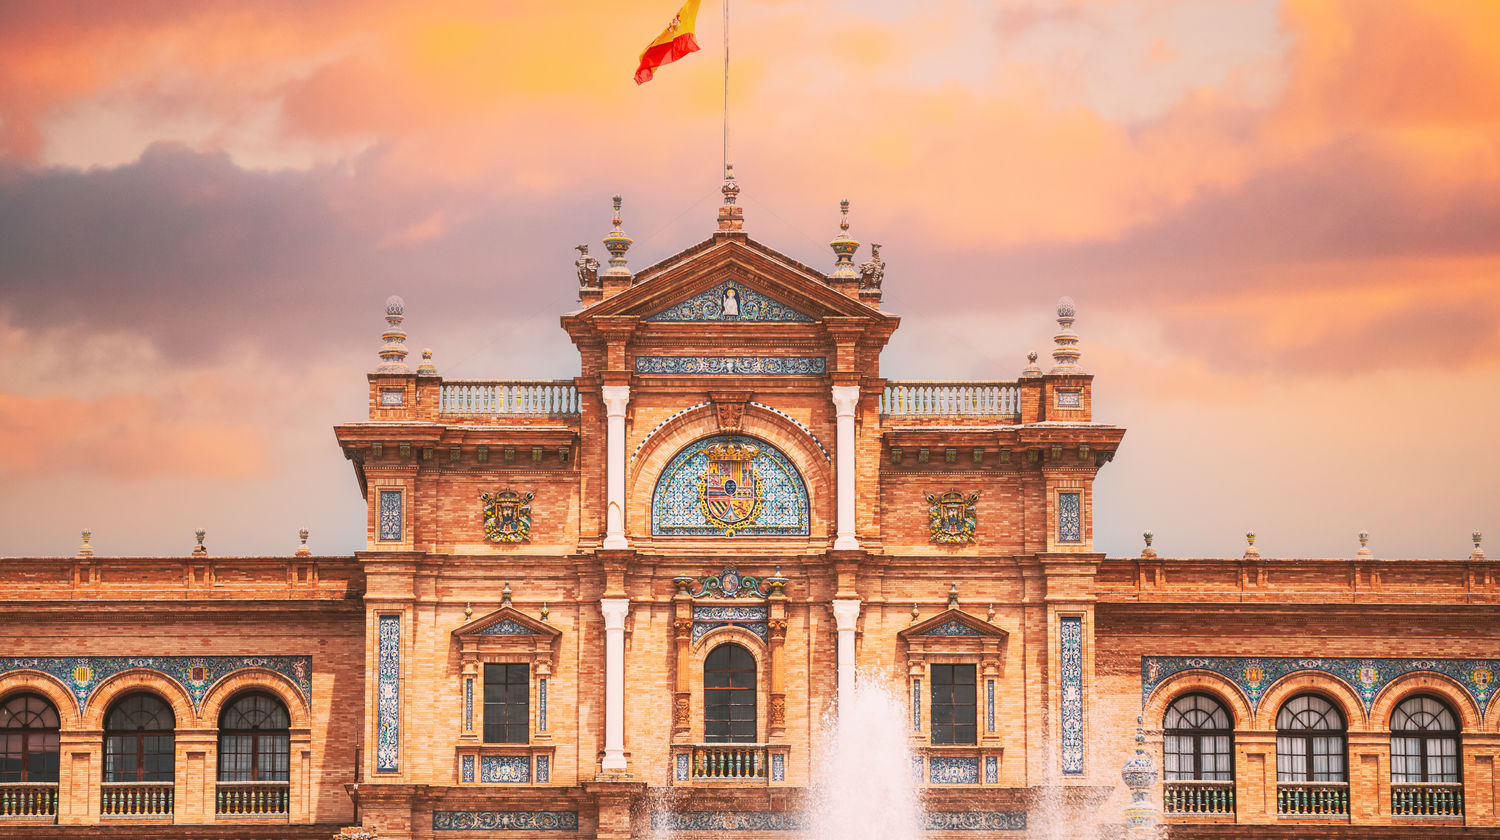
<point>614,611</point>
<point>845,398</point>
<point>393,350</point>
<point>616,399</point>
<point>1065,355</point>
<point>1140,775</point>
<point>846,617</point>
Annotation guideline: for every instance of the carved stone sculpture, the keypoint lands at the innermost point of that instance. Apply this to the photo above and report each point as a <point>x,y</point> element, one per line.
<point>872,270</point>
<point>588,268</point>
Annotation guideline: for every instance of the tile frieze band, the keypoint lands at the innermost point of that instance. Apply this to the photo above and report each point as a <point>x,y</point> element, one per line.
<point>732,365</point>
<point>196,674</point>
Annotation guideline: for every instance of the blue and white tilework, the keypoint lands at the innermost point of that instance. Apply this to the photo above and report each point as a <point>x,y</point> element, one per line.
<point>1070,645</point>
<point>991,770</point>
<point>976,821</point>
<point>917,767</point>
<point>731,365</point>
<point>196,674</point>
<point>682,767</point>
<point>752,618</point>
<point>989,705</point>
<point>505,820</point>
<point>541,696</point>
<point>1366,677</point>
<point>388,696</point>
<point>953,770</point>
<point>675,506</point>
<point>1070,517</point>
<point>543,769</point>
<point>953,628</point>
<point>466,768</point>
<point>507,627</point>
<point>778,767</point>
<point>750,305</point>
<point>916,705</point>
<point>505,769</point>
<point>1069,399</point>
<point>728,821</point>
<point>390,515</point>
<point>469,704</point>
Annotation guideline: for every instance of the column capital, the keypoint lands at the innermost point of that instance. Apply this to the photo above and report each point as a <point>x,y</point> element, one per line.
<point>845,398</point>
<point>846,612</point>
<point>614,610</point>
<point>616,398</point>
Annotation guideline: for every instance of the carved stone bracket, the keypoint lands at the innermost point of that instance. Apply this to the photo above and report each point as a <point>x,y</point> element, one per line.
<point>729,406</point>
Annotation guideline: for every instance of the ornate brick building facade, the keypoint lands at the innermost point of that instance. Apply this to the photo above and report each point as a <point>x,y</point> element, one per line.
<point>623,605</point>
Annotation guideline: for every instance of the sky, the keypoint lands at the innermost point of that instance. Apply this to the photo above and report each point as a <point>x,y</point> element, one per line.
<point>1280,222</point>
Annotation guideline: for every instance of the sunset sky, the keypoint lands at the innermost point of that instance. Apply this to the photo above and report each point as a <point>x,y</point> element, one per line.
<point>1280,221</point>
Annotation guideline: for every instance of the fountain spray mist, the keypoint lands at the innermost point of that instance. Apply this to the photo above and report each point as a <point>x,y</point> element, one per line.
<point>865,788</point>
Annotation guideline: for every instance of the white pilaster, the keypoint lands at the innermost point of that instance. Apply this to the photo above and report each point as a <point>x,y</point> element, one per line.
<point>845,616</point>
<point>616,398</point>
<point>845,398</point>
<point>614,610</point>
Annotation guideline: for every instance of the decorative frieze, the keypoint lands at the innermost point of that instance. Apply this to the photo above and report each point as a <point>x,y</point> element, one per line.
<point>731,301</point>
<point>196,674</point>
<point>504,820</point>
<point>731,365</point>
<point>505,769</point>
<point>729,821</point>
<point>388,695</point>
<point>953,770</point>
<point>1070,646</point>
<point>975,821</point>
<point>752,618</point>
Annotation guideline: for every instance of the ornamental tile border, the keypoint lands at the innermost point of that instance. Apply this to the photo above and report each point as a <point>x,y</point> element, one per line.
<point>778,767</point>
<point>507,627</point>
<point>658,427</point>
<point>1365,676</point>
<point>798,424</point>
<point>196,674</point>
<point>975,821</point>
<point>953,628</point>
<point>469,704</point>
<point>466,768</point>
<point>953,770</point>
<point>1069,517</point>
<point>390,515</point>
<point>991,770</point>
<point>504,820</point>
<point>731,365</point>
<point>729,821</point>
<point>989,705</point>
<point>541,715</point>
<point>752,305</point>
<point>505,769</point>
<point>752,618</point>
<point>916,705</point>
<point>1070,642</point>
<point>388,696</point>
<point>543,769</point>
<point>682,767</point>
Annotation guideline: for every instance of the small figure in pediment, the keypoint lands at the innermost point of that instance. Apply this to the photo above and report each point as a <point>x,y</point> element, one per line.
<point>731,303</point>
<point>588,268</point>
<point>872,271</point>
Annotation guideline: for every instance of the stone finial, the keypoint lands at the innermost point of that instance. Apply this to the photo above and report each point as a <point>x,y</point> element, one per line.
<point>1032,370</point>
<point>303,550</point>
<point>199,550</point>
<point>1364,544</point>
<point>731,214</point>
<point>1250,545</point>
<point>393,350</point>
<point>844,247</point>
<point>1148,551</point>
<point>617,243</point>
<point>1478,552</point>
<point>427,368</point>
<point>953,596</point>
<point>505,595</point>
<point>588,268</point>
<point>546,611</point>
<point>1065,354</point>
<point>86,550</point>
<point>914,613</point>
<point>990,616</point>
<point>468,611</point>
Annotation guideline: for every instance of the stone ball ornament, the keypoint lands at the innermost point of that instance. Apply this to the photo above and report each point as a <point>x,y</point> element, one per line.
<point>394,305</point>
<point>1066,308</point>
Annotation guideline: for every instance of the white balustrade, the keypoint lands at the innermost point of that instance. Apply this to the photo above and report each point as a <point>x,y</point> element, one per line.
<point>950,398</point>
<point>509,397</point>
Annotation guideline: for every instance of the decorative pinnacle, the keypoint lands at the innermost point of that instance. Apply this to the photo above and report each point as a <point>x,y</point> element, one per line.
<point>505,595</point>
<point>730,189</point>
<point>990,616</point>
<point>1148,551</point>
<point>468,611</point>
<point>1477,553</point>
<point>617,243</point>
<point>426,368</point>
<point>731,215</point>
<point>303,550</point>
<point>199,550</point>
<point>1066,354</point>
<point>393,351</point>
<point>953,595</point>
<point>914,613</point>
<point>1364,544</point>
<point>86,550</point>
<point>1031,371</point>
<point>1250,543</point>
<point>844,247</point>
<point>546,611</point>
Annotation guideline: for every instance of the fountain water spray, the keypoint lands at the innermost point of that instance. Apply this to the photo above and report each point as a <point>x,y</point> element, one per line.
<point>866,787</point>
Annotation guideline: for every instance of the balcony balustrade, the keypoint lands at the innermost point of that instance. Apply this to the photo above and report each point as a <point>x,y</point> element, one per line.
<point>1312,799</point>
<point>136,799</point>
<point>1432,799</point>
<point>509,397</point>
<point>1198,799</point>
<point>251,799</point>
<point>958,399</point>
<point>28,800</point>
<point>728,763</point>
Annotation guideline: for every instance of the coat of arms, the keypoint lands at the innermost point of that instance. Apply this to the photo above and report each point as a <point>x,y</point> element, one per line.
<point>952,516</point>
<point>507,516</point>
<point>729,489</point>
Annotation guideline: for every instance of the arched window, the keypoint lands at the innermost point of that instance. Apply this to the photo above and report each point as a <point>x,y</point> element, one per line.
<point>254,741</point>
<point>138,742</point>
<point>1198,734</point>
<point>1424,742</point>
<point>1310,741</point>
<point>729,696</point>
<point>28,735</point>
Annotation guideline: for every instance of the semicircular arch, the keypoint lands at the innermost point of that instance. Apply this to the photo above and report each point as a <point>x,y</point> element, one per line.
<point>1336,691</point>
<point>42,684</point>
<point>140,679</point>
<point>1198,682</point>
<point>256,679</point>
<point>1432,684</point>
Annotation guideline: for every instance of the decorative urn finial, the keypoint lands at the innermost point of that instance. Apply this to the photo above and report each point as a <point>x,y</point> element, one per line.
<point>86,550</point>
<point>427,368</point>
<point>1364,544</point>
<point>303,550</point>
<point>1148,551</point>
<point>953,595</point>
<point>393,350</point>
<point>199,550</point>
<point>505,595</point>
<point>1140,775</point>
<point>1065,355</point>
<point>1250,545</point>
<point>1478,552</point>
<point>468,611</point>
<point>617,243</point>
<point>844,247</point>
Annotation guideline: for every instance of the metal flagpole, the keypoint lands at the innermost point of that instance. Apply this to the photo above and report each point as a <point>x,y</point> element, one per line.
<point>726,86</point>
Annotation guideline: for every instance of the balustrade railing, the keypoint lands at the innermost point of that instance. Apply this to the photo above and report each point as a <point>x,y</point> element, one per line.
<point>1198,798</point>
<point>950,398</point>
<point>1430,799</point>
<point>509,397</point>
<point>730,763</point>
<point>28,800</point>
<point>251,799</point>
<point>136,799</point>
<point>1312,799</point>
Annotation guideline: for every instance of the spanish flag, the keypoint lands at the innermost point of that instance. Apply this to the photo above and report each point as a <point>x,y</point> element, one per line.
<point>673,43</point>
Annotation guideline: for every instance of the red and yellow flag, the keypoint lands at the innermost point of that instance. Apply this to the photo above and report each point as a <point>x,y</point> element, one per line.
<point>673,43</point>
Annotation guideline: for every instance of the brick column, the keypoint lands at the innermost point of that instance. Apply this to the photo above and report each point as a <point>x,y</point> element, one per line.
<point>845,398</point>
<point>616,398</point>
<point>614,610</point>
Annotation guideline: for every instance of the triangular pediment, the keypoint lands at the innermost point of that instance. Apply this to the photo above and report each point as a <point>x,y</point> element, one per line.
<point>508,621</point>
<point>953,623</point>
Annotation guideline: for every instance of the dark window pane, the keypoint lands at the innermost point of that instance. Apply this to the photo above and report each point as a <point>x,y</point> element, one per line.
<point>507,703</point>
<point>729,695</point>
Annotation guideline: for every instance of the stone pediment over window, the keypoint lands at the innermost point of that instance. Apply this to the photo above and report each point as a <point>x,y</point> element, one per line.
<point>506,629</point>
<point>954,631</point>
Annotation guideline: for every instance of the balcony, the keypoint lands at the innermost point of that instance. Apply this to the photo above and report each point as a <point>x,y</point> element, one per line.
<point>957,399</point>
<point>515,396</point>
<point>28,800</point>
<point>1429,800</point>
<point>711,763</point>
<point>141,800</point>
<point>1312,800</point>
<point>251,799</point>
<point>1198,799</point>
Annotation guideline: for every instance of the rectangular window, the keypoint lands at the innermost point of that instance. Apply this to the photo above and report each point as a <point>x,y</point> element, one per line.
<point>390,515</point>
<point>507,703</point>
<point>1070,517</point>
<point>953,713</point>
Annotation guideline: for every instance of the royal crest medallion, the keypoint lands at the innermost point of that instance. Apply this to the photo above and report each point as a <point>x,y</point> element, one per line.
<point>952,516</point>
<point>507,516</point>
<point>729,492</point>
